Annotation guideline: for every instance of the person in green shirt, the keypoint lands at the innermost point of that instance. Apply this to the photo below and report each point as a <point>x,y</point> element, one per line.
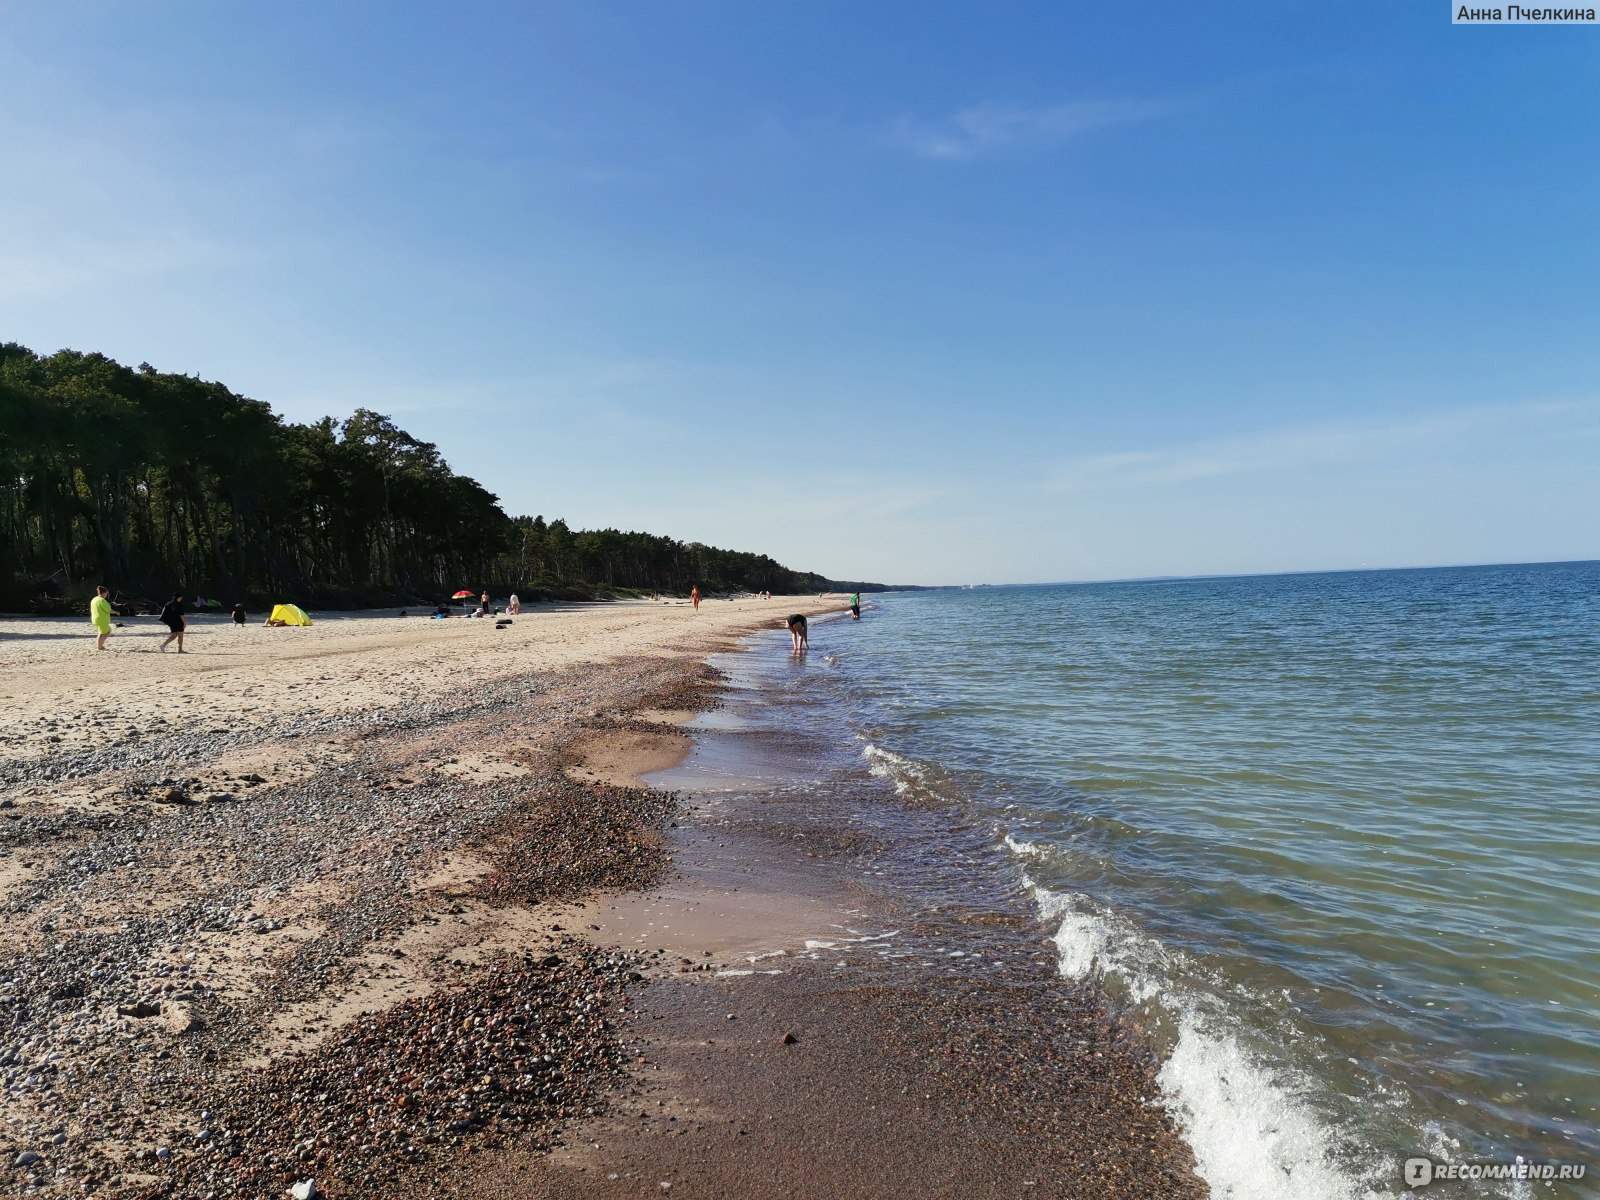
<point>100,616</point>
<point>855,606</point>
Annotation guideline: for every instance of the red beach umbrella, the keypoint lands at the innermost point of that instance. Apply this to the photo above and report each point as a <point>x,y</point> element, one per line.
<point>462,595</point>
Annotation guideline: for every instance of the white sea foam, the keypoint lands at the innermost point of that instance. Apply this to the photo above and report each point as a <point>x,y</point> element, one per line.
<point>913,779</point>
<point>860,939</point>
<point>1023,849</point>
<point>1254,1134</point>
<point>896,768</point>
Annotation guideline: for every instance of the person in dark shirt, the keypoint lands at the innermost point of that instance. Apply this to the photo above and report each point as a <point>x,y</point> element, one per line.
<point>172,618</point>
<point>798,631</point>
<point>238,614</point>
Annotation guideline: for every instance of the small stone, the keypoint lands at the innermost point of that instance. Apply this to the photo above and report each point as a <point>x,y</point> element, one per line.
<point>179,1018</point>
<point>26,1159</point>
<point>789,1039</point>
<point>306,1189</point>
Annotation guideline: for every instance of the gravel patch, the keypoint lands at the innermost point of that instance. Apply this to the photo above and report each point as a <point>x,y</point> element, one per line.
<point>150,948</point>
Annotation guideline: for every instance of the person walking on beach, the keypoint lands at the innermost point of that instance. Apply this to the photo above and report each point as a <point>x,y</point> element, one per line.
<point>855,606</point>
<point>694,597</point>
<point>514,605</point>
<point>100,616</point>
<point>798,632</point>
<point>172,618</point>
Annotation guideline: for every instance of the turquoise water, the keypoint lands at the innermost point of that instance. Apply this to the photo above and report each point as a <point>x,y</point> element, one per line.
<point>1333,839</point>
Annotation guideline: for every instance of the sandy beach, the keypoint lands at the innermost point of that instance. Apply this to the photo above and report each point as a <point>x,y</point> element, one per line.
<point>382,903</point>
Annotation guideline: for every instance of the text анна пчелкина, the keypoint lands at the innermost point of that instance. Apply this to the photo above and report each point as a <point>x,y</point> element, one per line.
<point>1515,14</point>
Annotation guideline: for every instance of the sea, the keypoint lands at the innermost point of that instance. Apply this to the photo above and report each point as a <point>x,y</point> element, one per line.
<point>1331,842</point>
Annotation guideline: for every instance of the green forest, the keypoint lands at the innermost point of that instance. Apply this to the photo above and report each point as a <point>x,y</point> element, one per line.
<point>151,483</point>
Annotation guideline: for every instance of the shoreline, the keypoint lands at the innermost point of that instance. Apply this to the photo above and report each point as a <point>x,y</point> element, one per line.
<point>422,851</point>
<point>797,1049</point>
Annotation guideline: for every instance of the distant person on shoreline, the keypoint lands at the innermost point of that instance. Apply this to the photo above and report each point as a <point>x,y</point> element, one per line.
<point>694,597</point>
<point>172,618</point>
<point>798,632</point>
<point>100,616</point>
<point>514,605</point>
<point>855,606</point>
<point>238,614</point>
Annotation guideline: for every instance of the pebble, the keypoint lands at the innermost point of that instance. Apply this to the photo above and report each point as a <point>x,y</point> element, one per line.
<point>107,998</point>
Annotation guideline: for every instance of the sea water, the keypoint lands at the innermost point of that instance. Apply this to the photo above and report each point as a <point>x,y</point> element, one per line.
<point>1331,840</point>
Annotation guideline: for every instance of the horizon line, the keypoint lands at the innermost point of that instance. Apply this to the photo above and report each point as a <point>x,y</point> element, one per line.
<point>1552,562</point>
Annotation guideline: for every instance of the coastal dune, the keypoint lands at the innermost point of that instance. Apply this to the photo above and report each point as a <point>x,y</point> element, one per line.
<point>380,904</point>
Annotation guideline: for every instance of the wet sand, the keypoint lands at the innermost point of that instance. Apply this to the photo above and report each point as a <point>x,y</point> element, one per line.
<point>781,1056</point>
<point>380,903</point>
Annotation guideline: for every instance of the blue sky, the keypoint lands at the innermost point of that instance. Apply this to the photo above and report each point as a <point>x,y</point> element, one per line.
<point>909,292</point>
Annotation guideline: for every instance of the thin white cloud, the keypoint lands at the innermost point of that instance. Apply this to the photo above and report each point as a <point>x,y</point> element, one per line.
<point>1309,446</point>
<point>37,270</point>
<point>744,505</point>
<point>992,128</point>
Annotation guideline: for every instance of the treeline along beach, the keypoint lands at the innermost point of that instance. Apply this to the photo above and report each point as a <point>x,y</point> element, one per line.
<point>151,481</point>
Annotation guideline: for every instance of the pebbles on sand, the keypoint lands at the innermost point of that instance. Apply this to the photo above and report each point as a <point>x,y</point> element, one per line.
<point>152,941</point>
